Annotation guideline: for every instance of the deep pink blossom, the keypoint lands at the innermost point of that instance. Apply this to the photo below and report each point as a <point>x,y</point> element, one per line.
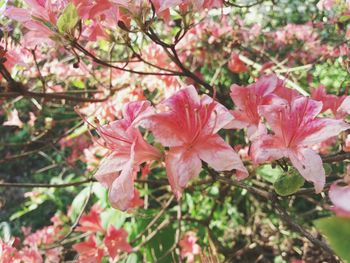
<point>188,125</point>
<point>91,222</point>
<point>236,65</point>
<point>296,127</point>
<point>89,251</point>
<point>116,242</point>
<point>137,201</point>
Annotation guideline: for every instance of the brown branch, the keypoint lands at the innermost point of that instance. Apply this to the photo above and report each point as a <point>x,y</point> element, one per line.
<point>42,185</point>
<point>337,157</point>
<point>75,224</point>
<point>32,185</point>
<point>106,64</point>
<point>229,3</point>
<point>48,96</point>
<point>298,228</point>
<point>281,212</point>
<point>19,89</point>
<point>41,77</point>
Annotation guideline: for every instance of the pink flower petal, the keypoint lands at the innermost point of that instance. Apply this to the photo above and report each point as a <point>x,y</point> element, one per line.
<point>181,166</point>
<point>340,197</point>
<point>220,156</point>
<point>309,164</point>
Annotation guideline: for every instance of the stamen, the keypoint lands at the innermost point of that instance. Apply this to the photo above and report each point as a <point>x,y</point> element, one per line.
<point>188,120</point>
<point>100,131</point>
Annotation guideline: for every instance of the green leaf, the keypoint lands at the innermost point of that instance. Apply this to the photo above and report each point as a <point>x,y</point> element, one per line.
<point>327,168</point>
<point>68,19</point>
<point>113,217</point>
<point>289,183</point>
<point>343,19</point>
<point>269,173</point>
<point>78,202</point>
<point>132,258</point>
<point>337,231</point>
<point>2,5</point>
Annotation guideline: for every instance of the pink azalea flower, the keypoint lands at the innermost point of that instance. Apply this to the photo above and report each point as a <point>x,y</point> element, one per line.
<point>42,9</point>
<point>296,128</point>
<point>89,251</point>
<point>188,125</point>
<point>128,149</point>
<point>247,100</point>
<point>30,255</point>
<point>189,246</point>
<point>164,5</point>
<point>236,65</point>
<point>8,254</point>
<point>116,242</point>
<point>137,201</point>
<point>91,222</point>
<point>340,196</point>
<point>285,93</point>
<point>339,105</point>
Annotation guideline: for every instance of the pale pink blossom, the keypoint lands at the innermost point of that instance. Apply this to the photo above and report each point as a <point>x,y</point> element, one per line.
<point>340,196</point>
<point>296,127</point>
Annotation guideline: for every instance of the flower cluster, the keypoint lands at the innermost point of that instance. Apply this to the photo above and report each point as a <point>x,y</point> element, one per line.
<point>187,126</point>
<point>44,246</point>
<point>114,240</point>
<point>42,18</point>
<point>35,247</point>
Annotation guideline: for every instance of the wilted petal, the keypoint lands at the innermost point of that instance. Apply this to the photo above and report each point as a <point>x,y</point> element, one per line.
<point>181,166</point>
<point>310,166</point>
